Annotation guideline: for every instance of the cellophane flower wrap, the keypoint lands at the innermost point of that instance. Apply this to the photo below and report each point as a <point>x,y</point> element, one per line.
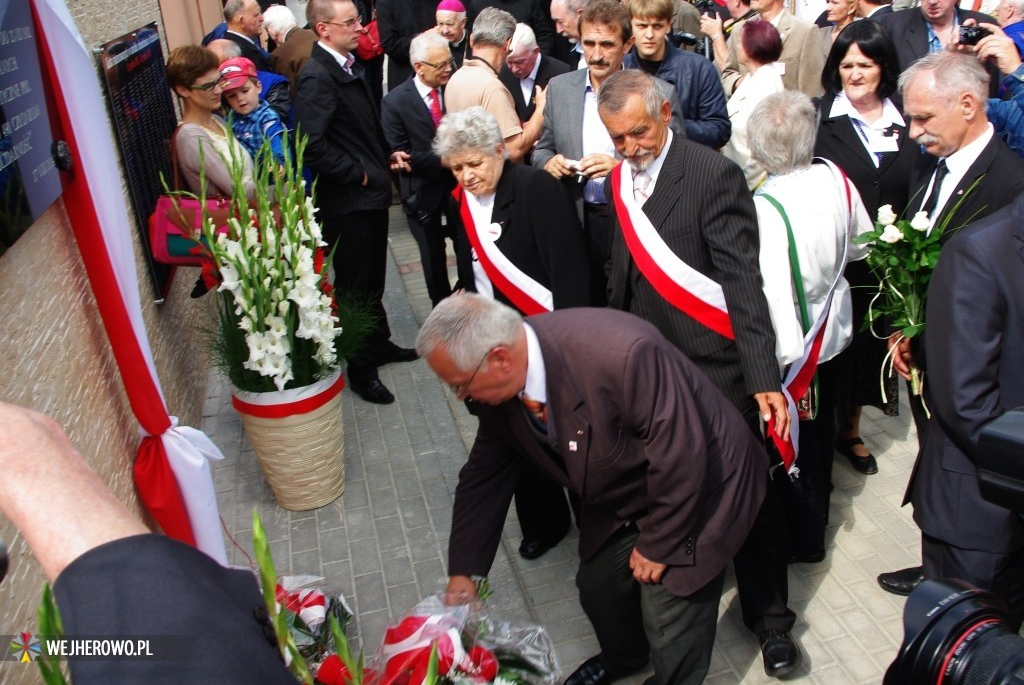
<point>306,607</point>
<point>473,646</point>
<point>903,254</point>
<point>279,324</point>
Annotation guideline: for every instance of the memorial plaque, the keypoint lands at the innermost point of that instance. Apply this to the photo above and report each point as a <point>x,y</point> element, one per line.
<point>29,179</point>
<point>133,67</point>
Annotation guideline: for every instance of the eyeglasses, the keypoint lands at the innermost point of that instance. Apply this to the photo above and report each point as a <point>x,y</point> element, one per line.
<point>462,389</point>
<point>450,63</point>
<point>207,87</point>
<point>347,24</point>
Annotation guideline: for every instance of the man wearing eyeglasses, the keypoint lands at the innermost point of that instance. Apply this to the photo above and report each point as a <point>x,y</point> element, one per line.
<point>410,115</point>
<point>349,156</point>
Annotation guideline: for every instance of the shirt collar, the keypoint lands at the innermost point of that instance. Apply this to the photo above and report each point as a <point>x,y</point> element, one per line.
<point>960,161</point>
<point>654,168</point>
<point>422,88</point>
<point>536,377</point>
<point>890,114</point>
<point>236,33</point>
<point>344,61</point>
<point>536,68</point>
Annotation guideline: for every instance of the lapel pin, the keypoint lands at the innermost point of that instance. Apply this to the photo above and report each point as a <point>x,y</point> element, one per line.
<point>572,446</point>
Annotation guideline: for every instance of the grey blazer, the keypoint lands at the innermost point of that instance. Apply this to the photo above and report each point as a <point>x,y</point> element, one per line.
<point>563,124</point>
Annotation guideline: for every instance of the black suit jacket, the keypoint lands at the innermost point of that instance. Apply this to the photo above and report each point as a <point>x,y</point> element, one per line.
<point>976,373</point>
<point>249,50</point>
<point>408,126</point>
<point>398,22</point>
<point>887,184</point>
<point>340,116</point>
<point>909,32</point>
<point>703,211</point>
<point>638,433</point>
<point>548,69</point>
<point>539,234</point>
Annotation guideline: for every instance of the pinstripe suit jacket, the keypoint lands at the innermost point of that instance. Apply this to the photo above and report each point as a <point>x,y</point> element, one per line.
<point>703,211</point>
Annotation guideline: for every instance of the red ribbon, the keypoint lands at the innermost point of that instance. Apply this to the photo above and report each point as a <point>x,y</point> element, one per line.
<point>285,409</point>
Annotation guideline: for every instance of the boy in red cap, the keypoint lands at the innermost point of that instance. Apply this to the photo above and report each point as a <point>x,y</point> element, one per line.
<point>252,120</point>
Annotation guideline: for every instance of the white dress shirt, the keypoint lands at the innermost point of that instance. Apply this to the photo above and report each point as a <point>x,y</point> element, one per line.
<point>872,136</point>
<point>536,377</point>
<point>957,163</point>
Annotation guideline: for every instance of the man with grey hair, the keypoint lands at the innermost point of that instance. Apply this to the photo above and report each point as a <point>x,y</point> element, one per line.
<point>245,21</point>
<point>477,83</point>
<point>526,69</point>
<point>669,478</point>
<point>410,114</point>
<point>566,15</point>
<point>967,167</point>
<point>689,265</point>
<point>294,45</point>
<point>1010,15</point>
<point>533,13</point>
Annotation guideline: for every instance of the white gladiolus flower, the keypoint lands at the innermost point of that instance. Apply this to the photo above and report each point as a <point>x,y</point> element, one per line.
<point>891,235</point>
<point>276,326</point>
<point>304,295</point>
<point>920,222</point>
<point>257,344</point>
<point>886,216</point>
<point>230,279</point>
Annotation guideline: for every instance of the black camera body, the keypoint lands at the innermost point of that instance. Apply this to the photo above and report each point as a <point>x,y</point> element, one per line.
<point>971,35</point>
<point>413,207</point>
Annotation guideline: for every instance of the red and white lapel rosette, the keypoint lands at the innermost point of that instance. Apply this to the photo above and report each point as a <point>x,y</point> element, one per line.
<point>525,293</point>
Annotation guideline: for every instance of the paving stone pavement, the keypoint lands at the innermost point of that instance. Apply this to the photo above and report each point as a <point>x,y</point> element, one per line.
<point>383,543</point>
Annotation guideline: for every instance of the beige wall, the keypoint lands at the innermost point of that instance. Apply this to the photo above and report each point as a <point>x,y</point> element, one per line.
<point>55,357</point>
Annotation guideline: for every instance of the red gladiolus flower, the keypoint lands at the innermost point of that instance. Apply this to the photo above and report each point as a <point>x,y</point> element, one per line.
<point>333,672</point>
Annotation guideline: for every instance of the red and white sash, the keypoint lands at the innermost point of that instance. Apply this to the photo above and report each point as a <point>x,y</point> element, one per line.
<point>685,288</point>
<point>526,294</point>
<point>801,372</point>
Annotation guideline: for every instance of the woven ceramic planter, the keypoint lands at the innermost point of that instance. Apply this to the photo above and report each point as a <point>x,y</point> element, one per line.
<point>298,440</point>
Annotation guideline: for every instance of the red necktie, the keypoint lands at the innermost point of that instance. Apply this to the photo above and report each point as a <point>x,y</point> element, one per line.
<point>435,106</point>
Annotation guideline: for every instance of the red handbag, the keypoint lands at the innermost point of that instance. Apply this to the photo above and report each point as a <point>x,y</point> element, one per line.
<point>369,41</point>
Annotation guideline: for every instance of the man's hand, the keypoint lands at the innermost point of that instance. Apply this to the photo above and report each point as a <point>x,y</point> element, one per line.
<point>597,165</point>
<point>644,570</point>
<point>399,161</point>
<point>540,98</point>
<point>902,358</point>
<point>461,590</point>
<point>558,166</point>
<point>711,25</point>
<point>1000,49</point>
<point>774,403</point>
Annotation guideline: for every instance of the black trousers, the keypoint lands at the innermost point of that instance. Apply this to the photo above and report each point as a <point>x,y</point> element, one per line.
<point>597,229</point>
<point>360,260</point>
<point>430,239</point>
<point>635,621</point>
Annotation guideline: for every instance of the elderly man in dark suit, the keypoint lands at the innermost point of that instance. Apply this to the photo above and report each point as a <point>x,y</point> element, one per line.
<point>932,27</point>
<point>975,375</point>
<point>685,258</point>
<point>294,45</point>
<point>945,96</point>
<point>670,479</point>
<point>348,156</point>
<point>526,68</point>
<point>244,22</point>
<point>410,115</point>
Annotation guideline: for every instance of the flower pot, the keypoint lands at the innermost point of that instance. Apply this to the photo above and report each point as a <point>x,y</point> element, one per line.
<point>298,440</point>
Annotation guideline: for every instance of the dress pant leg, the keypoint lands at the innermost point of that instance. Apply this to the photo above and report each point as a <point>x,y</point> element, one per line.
<point>541,506</point>
<point>681,631</point>
<point>430,240</point>
<point>597,229</point>
<point>610,598</point>
<point>360,261</point>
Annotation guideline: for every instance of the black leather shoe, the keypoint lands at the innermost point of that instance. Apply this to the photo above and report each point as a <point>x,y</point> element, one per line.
<point>866,465</point>
<point>372,390</point>
<point>901,582</point>
<point>781,655</point>
<point>392,353</point>
<point>534,549</point>
<point>591,672</point>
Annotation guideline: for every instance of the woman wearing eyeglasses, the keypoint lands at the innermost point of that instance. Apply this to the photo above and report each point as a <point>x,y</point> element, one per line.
<point>201,139</point>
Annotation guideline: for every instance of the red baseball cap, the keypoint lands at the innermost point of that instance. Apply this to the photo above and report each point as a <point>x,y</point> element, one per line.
<point>236,71</point>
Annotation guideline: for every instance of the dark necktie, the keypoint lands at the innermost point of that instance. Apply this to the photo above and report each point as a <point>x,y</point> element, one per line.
<point>435,106</point>
<point>933,198</point>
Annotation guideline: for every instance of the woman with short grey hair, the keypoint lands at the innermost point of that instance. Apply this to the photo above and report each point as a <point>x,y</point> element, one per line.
<point>519,243</point>
<point>808,215</point>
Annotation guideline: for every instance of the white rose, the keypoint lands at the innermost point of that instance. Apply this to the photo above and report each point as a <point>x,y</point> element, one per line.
<point>920,222</point>
<point>886,216</point>
<point>891,235</point>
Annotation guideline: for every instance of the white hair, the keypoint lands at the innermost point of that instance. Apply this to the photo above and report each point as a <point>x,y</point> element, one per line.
<point>781,132</point>
<point>473,129</point>
<point>422,44</point>
<point>467,326</point>
<point>278,20</point>
<point>525,38</point>
<point>954,73</point>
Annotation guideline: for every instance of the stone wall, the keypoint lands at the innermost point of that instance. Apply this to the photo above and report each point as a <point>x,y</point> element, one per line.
<point>55,356</point>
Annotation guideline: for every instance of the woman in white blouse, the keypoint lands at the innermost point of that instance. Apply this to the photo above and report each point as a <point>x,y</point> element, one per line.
<point>824,214</point>
<point>758,47</point>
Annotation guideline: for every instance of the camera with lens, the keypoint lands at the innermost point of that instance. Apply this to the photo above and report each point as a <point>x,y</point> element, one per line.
<point>955,634</point>
<point>412,207</point>
<point>971,35</point>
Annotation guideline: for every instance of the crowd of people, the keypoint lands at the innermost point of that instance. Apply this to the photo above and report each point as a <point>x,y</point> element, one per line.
<point>681,212</point>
